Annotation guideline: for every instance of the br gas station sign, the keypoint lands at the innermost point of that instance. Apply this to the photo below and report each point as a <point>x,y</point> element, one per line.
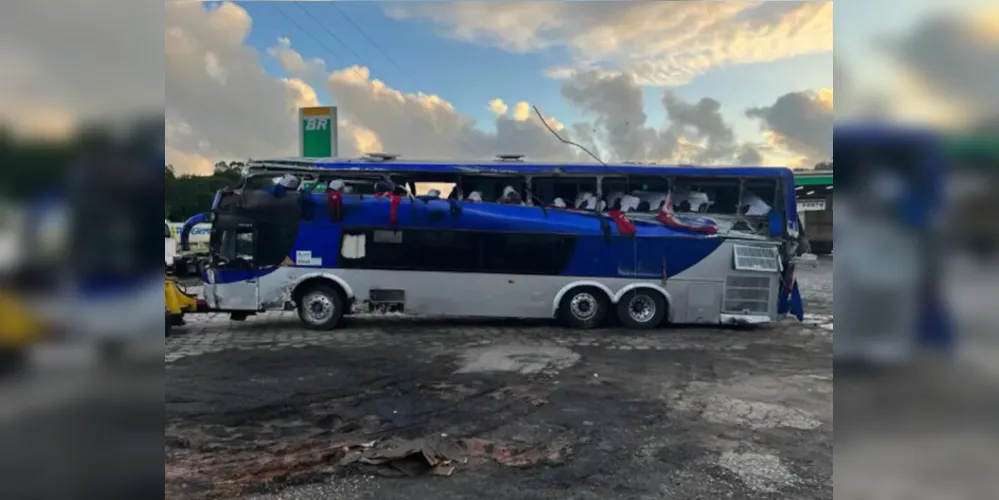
<point>318,131</point>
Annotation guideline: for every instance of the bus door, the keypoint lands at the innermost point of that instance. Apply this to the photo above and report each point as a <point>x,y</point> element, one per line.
<point>233,276</point>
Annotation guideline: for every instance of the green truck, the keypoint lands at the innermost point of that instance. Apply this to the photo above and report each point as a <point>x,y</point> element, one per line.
<point>814,193</point>
<point>973,191</point>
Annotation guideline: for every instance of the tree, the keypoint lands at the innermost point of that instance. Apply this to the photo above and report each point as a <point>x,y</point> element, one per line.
<point>824,165</point>
<point>187,195</point>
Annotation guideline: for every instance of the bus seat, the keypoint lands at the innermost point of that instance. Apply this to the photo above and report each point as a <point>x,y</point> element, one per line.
<point>510,196</point>
<point>629,203</point>
<point>651,198</point>
<point>587,201</point>
<point>699,202</point>
<point>755,206</point>
<point>289,182</point>
<point>614,199</point>
<point>559,203</point>
<point>474,196</point>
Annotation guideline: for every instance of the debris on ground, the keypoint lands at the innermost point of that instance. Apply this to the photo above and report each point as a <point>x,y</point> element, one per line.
<point>519,454</point>
<point>435,455</point>
<point>404,457</point>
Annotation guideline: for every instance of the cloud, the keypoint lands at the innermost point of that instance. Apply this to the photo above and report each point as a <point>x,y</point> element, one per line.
<point>428,126</point>
<point>956,59</point>
<point>657,43</point>
<point>702,122</point>
<point>749,155</point>
<point>243,114</point>
<point>247,113</point>
<point>800,122</point>
<point>522,111</point>
<point>66,64</point>
<point>620,121</point>
<point>498,106</point>
<point>694,132</point>
<point>293,63</point>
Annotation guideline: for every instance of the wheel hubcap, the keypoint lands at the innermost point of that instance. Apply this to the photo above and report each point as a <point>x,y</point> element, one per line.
<point>319,308</point>
<point>641,308</point>
<point>583,306</point>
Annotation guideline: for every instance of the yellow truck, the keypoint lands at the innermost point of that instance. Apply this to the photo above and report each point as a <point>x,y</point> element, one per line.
<point>20,329</point>
<point>177,303</point>
<point>20,326</point>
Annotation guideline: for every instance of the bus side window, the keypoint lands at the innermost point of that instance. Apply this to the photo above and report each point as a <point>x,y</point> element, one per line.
<point>722,194</point>
<point>571,190</point>
<point>757,191</point>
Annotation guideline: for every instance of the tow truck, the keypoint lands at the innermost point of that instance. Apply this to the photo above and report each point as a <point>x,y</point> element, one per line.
<point>23,250</point>
<point>179,302</point>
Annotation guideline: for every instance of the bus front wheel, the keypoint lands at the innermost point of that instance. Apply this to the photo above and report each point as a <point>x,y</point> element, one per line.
<point>321,307</point>
<point>584,308</point>
<point>641,309</point>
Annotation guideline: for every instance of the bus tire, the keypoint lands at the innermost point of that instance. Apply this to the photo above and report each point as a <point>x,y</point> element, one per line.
<point>320,307</point>
<point>584,308</point>
<point>641,309</point>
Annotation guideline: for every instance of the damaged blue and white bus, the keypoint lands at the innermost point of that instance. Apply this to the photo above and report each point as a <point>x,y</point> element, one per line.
<point>583,243</point>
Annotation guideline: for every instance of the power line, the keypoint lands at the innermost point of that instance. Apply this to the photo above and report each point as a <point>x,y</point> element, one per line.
<point>328,49</point>
<point>324,28</point>
<point>372,42</point>
<point>302,28</point>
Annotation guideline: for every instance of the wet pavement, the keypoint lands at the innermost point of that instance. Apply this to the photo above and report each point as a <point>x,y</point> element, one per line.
<point>264,409</point>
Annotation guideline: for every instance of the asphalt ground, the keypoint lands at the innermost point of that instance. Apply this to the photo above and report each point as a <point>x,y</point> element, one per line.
<point>263,408</point>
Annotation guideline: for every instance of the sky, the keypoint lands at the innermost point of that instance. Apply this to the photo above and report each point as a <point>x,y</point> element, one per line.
<point>703,82</point>
<point>708,83</point>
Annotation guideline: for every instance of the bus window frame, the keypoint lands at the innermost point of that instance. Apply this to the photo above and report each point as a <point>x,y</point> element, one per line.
<point>223,224</point>
<point>597,180</point>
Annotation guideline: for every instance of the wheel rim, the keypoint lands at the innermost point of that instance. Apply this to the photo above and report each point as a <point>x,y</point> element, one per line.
<point>641,308</point>
<point>583,306</point>
<point>318,308</point>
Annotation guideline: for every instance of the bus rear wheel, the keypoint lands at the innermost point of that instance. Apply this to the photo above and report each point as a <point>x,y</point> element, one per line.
<point>584,308</point>
<point>320,307</point>
<point>641,309</point>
